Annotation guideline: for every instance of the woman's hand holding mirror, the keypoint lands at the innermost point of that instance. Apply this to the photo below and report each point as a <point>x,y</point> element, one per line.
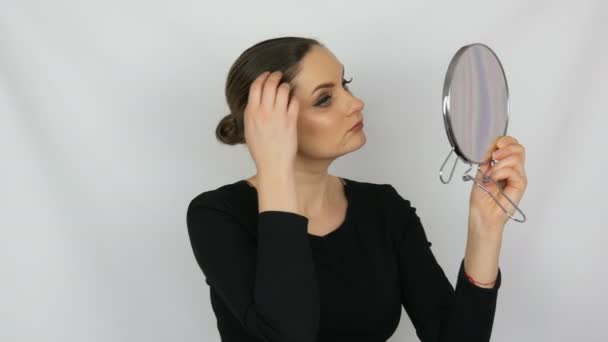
<point>506,158</point>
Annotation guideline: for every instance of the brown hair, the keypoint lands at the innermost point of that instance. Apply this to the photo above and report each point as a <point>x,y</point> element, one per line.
<point>277,54</point>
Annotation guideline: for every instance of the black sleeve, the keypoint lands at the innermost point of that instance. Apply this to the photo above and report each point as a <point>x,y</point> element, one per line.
<point>270,288</point>
<point>437,311</point>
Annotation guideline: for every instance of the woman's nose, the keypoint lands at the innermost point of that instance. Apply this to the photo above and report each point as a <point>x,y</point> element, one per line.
<point>356,105</point>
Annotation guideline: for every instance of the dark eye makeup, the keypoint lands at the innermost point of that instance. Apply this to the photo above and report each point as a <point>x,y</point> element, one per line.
<point>324,99</point>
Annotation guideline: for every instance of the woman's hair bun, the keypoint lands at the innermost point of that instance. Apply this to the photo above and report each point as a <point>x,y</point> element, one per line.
<point>227,131</point>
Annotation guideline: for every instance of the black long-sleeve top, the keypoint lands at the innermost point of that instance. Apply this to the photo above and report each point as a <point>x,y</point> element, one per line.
<point>270,280</point>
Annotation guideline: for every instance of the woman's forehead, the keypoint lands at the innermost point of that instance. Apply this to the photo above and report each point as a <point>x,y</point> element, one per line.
<point>317,67</point>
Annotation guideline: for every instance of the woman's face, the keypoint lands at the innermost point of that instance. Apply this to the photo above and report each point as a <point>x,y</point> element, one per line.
<point>327,113</point>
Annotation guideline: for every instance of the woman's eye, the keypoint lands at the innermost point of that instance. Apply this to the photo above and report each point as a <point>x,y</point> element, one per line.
<point>325,98</point>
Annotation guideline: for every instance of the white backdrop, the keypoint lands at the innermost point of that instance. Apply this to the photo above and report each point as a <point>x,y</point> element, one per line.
<point>108,111</point>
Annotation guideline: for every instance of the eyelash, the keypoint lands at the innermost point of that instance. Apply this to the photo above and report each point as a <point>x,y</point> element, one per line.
<point>325,98</point>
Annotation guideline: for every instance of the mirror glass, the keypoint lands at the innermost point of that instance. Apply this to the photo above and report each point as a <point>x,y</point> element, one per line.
<point>476,102</point>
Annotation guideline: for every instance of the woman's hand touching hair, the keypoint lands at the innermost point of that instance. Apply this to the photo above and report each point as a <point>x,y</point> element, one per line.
<point>270,123</point>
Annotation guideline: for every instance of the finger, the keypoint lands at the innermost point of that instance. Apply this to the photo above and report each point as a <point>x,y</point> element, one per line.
<point>282,97</point>
<point>255,90</point>
<point>506,140</point>
<point>499,142</point>
<point>484,167</point>
<point>511,175</point>
<point>270,90</point>
<point>294,108</point>
<point>492,147</point>
<point>513,149</point>
<point>514,161</point>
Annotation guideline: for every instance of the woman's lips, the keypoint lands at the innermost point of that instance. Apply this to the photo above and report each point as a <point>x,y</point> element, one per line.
<point>357,126</point>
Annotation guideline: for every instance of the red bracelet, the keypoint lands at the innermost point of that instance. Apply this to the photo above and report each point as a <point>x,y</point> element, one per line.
<point>475,282</point>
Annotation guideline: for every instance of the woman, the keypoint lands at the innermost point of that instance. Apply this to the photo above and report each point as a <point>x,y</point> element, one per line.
<point>296,254</point>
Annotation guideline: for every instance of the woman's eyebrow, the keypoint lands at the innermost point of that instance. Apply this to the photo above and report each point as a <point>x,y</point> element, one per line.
<point>327,84</point>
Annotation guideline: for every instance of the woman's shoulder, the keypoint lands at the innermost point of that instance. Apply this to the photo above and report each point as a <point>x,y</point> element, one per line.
<point>381,198</point>
<point>237,196</point>
<point>375,191</point>
<point>223,196</point>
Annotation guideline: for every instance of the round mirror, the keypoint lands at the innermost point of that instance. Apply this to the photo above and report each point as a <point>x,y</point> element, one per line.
<point>475,102</point>
<point>476,110</point>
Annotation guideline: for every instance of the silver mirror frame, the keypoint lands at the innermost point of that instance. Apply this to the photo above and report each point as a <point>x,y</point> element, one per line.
<point>450,133</point>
